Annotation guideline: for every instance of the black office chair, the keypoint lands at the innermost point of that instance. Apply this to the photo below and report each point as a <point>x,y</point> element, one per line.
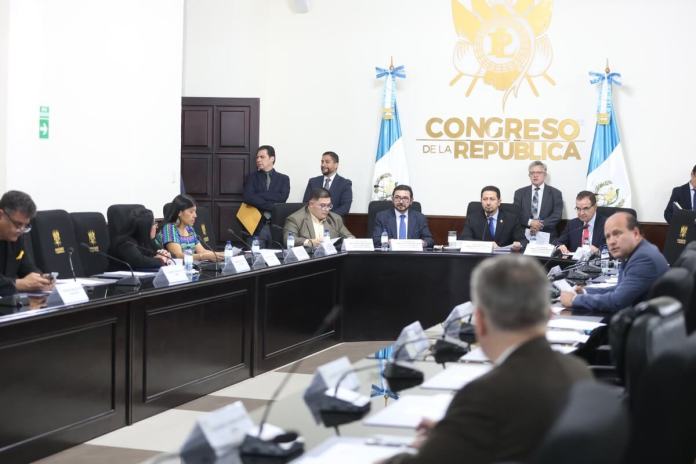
<point>279,214</point>
<point>118,218</point>
<point>54,243</point>
<point>607,211</point>
<point>204,227</point>
<point>376,206</point>
<point>677,282</point>
<point>593,428</point>
<point>474,208</point>
<point>90,228</point>
<point>663,426</point>
<point>687,260</point>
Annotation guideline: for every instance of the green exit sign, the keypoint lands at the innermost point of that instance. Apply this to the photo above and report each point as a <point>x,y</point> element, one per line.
<point>43,122</point>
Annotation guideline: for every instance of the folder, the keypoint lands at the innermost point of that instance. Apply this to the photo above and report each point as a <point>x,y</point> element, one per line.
<point>249,216</point>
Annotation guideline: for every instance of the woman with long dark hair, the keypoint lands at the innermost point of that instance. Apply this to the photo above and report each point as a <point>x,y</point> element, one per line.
<point>136,245</point>
<point>178,233</point>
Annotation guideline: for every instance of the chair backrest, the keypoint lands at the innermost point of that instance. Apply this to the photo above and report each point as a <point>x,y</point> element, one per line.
<point>677,282</point>
<point>607,211</point>
<point>279,214</point>
<point>118,218</point>
<point>593,427</point>
<point>376,206</point>
<point>663,425</point>
<point>53,241</point>
<point>90,228</point>
<point>687,260</point>
<point>204,227</point>
<point>475,207</point>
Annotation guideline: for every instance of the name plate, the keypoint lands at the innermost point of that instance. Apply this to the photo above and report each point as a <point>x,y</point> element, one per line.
<point>475,246</point>
<point>270,257</point>
<point>326,248</point>
<point>217,433</point>
<point>358,244</point>
<point>296,254</point>
<point>236,265</point>
<point>407,245</point>
<point>69,293</point>
<point>537,249</point>
<point>170,275</point>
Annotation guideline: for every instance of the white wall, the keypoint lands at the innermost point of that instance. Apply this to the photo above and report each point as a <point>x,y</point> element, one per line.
<point>314,74</point>
<point>110,71</point>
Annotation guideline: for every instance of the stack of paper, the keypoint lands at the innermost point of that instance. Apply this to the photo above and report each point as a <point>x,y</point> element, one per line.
<point>456,376</point>
<point>409,410</point>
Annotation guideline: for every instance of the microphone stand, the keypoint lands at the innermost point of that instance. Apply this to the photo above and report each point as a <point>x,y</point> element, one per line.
<point>72,269</point>
<point>131,281</point>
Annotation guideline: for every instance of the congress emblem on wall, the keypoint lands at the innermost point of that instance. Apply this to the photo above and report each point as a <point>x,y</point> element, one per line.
<point>503,43</point>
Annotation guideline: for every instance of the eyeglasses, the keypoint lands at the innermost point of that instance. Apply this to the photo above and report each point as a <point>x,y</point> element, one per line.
<point>20,226</point>
<point>533,173</point>
<point>328,207</point>
<point>398,198</point>
<point>584,210</point>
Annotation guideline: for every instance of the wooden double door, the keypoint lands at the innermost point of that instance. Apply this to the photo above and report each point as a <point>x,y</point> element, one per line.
<point>219,139</point>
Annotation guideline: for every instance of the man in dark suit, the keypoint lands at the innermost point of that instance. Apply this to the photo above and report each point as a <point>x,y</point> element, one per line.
<point>309,223</point>
<point>17,271</point>
<point>264,188</point>
<point>340,188</point>
<point>402,222</point>
<point>540,205</point>
<point>494,224</point>
<point>588,226</point>
<point>684,195</point>
<point>504,415</point>
<point>641,264</point>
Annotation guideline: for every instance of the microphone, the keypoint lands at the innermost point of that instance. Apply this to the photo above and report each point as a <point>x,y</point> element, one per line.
<point>485,226</point>
<point>399,376</point>
<point>217,261</point>
<point>446,350</point>
<point>72,268</point>
<point>131,281</point>
<point>335,411</point>
<point>234,234</point>
<point>255,447</point>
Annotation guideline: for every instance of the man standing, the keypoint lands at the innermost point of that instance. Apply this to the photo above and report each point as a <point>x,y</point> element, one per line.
<point>402,222</point>
<point>309,223</point>
<point>340,188</point>
<point>17,271</point>
<point>641,264</point>
<point>504,415</point>
<point>541,205</point>
<point>684,195</point>
<point>496,225</point>
<point>264,188</point>
<point>587,227</point>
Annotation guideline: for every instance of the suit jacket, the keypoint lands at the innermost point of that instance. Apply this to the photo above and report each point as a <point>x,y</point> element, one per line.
<point>636,276</point>
<point>551,207</point>
<point>507,230</point>
<point>341,190</point>
<point>504,415</point>
<point>417,227</point>
<point>681,195</point>
<point>572,234</point>
<point>131,252</point>
<point>255,192</point>
<point>300,224</point>
<point>15,263</point>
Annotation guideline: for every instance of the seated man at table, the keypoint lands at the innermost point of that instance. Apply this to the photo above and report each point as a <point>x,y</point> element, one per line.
<point>17,271</point>
<point>641,263</point>
<point>402,222</point>
<point>504,415</point>
<point>588,226</point>
<point>309,223</point>
<point>493,224</point>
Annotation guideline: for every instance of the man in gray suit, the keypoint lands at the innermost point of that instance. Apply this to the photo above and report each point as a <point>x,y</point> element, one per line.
<point>309,223</point>
<point>504,415</point>
<point>541,205</point>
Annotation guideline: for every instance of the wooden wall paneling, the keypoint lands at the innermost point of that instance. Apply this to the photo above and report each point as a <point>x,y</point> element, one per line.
<point>196,170</point>
<point>196,129</point>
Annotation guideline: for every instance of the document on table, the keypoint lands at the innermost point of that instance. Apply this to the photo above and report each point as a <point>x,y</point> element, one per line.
<point>345,450</point>
<point>120,274</point>
<point>565,337</point>
<point>476,356</point>
<point>409,410</point>
<point>578,325</point>
<point>86,282</point>
<point>456,376</point>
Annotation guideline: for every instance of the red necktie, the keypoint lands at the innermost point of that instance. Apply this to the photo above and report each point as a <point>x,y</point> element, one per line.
<point>585,234</point>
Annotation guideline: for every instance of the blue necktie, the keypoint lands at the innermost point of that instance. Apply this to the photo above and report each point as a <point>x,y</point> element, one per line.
<point>402,227</point>
<point>491,227</point>
<point>693,199</point>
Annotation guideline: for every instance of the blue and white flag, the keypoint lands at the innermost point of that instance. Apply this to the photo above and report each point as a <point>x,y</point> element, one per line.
<point>390,165</point>
<point>606,173</point>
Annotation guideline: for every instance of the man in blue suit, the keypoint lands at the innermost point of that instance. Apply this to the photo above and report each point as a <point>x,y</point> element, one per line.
<point>402,222</point>
<point>684,195</point>
<point>588,225</point>
<point>264,188</point>
<point>340,188</point>
<point>641,264</point>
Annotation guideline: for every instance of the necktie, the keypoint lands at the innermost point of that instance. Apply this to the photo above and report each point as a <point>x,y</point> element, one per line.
<point>402,227</point>
<point>693,199</point>
<point>535,204</point>
<point>585,234</point>
<point>327,183</point>
<point>268,180</point>
<point>491,226</point>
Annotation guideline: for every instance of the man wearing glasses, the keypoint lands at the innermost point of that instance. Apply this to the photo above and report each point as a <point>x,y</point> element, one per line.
<point>17,271</point>
<point>309,224</point>
<point>541,205</point>
<point>402,222</point>
<point>587,227</point>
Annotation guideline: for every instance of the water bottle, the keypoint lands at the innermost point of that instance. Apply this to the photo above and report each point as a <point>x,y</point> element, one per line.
<point>188,261</point>
<point>255,246</point>
<point>604,259</point>
<point>291,241</point>
<point>327,235</point>
<point>228,252</point>
<point>451,239</point>
<point>385,240</point>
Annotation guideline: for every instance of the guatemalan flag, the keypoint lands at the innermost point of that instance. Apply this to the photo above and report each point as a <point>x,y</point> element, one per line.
<point>390,165</point>
<point>606,172</point>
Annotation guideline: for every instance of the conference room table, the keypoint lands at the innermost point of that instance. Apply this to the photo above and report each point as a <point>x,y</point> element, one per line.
<point>72,373</point>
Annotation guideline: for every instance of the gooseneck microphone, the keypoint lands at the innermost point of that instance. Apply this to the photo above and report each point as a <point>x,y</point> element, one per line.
<point>72,268</point>
<point>235,235</point>
<point>446,350</point>
<point>217,261</point>
<point>400,377</point>
<point>131,281</point>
